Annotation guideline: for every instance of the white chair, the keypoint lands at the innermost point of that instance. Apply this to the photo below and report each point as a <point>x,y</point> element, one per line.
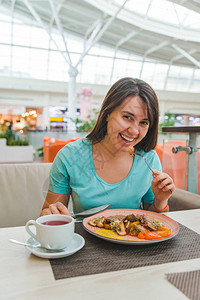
<point>23,188</point>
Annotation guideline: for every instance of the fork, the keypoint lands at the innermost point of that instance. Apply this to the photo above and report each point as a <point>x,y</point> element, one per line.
<point>140,155</point>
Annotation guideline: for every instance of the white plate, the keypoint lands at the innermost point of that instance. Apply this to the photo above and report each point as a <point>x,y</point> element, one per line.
<point>77,243</point>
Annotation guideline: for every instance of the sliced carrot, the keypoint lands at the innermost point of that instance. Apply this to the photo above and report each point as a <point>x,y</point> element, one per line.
<point>164,233</point>
<point>163,228</point>
<point>141,235</point>
<point>152,235</point>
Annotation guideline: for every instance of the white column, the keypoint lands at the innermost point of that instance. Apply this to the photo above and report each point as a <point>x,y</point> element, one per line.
<point>43,119</point>
<point>45,114</point>
<point>162,111</point>
<point>73,72</point>
<point>186,120</point>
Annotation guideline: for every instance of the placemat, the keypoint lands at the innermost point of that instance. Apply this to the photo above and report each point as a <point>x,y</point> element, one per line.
<point>99,256</point>
<point>187,282</point>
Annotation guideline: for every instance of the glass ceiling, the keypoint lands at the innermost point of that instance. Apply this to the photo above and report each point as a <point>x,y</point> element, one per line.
<point>27,51</point>
<point>165,12</point>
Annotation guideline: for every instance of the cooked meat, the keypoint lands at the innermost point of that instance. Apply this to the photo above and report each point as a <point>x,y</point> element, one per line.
<point>132,218</point>
<point>142,218</point>
<point>147,222</point>
<point>115,223</point>
<point>118,217</point>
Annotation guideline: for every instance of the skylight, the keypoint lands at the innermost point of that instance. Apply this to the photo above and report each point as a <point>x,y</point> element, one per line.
<point>164,11</point>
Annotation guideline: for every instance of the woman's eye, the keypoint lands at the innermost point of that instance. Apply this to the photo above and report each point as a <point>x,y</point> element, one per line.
<point>145,123</point>
<point>127,117</point>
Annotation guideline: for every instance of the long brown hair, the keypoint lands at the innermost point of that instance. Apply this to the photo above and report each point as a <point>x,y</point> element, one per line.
<point>116,95</point>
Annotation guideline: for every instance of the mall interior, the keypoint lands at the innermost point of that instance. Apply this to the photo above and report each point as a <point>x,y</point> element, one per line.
<point>59,58</point>
<point>115,214</point>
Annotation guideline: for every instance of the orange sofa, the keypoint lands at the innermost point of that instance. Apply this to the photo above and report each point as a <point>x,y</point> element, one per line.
<point>51,148</point>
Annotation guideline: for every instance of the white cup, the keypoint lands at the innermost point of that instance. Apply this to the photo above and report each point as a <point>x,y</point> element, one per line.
<point>52,236</point>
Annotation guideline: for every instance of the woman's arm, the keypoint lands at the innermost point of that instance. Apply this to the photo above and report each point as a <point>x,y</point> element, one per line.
<point>55,204</point>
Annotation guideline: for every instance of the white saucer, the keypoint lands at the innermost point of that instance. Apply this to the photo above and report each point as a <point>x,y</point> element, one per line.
<point>77,243</point>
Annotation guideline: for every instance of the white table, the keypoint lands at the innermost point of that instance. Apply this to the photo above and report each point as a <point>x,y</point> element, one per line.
<point>24,276</point>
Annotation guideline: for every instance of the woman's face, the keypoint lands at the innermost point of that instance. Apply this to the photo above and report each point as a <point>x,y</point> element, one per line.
<point>128,124</point>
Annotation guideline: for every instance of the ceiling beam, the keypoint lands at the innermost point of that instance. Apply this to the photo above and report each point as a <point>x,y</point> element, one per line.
<point>39,20</point>
<point>155,48</point>
<point>93,34</point>
<point>122,41</point>
<point>58,8</point>
<point>177,16</point>
<point>148,8</point>
<point>59,25</point>
<point>193,5</point>
<point>187,55</point>
<point>101,32</point>
<point>151,50</point>
<point>127,38</point>
<point>179,56</point>
<point>89,31</point>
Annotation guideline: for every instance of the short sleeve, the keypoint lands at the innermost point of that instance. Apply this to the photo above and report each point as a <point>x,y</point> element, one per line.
<point>58,176</point>
<point>148,197</point>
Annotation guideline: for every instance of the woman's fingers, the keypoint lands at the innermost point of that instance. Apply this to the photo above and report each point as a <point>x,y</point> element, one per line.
<point>161,178</point>
<point>55,208</point>
<point>45,212</point>
<point>156,172</point>
<point>163,181</point>
<point>62,208</point>
<point>169,187</point>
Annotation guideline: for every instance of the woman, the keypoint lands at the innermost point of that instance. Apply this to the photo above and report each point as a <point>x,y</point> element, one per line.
<point>99,170</point>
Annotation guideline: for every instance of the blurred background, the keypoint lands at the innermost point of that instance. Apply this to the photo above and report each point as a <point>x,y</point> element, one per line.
<point>58,58</point>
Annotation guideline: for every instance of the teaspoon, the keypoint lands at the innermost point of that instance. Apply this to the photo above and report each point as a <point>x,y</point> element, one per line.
<point>35,246</point>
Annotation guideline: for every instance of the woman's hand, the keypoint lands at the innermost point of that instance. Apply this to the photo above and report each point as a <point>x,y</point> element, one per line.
<point>55,208</point>
<point>162,185</point>
<point>55,204</point>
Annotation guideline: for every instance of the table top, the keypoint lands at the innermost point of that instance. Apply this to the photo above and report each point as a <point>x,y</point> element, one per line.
<point>25,276</point>
<point>183,129</point>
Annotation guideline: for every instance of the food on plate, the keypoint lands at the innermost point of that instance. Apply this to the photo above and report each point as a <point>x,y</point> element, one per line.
<point>131,150</point>
<point>138,225</point>
<point>110,234</point>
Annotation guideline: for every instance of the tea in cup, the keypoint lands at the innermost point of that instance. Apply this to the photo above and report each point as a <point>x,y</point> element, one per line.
<point>52,231</point>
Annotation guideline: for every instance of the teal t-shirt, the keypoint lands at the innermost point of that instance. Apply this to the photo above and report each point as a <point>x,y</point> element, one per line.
<point>73,172</point>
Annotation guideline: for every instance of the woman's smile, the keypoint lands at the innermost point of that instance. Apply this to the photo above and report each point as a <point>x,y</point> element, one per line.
<point>128,141</point>
<point>125,138</point>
